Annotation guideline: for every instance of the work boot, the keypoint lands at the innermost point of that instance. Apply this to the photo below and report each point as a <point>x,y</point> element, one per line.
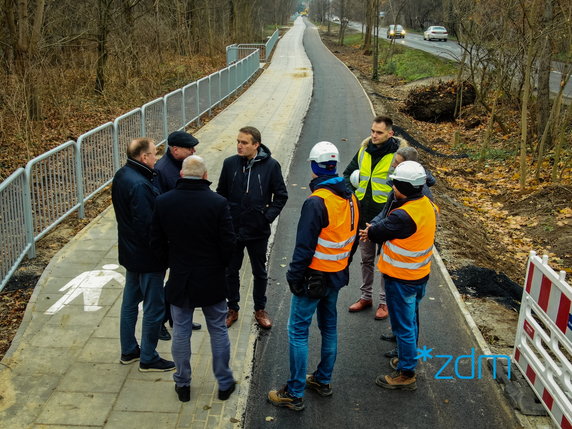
<point>381,312</point>
<point>359,305</point>
<point>263,319</point>
<point>231,317</point>
<point>320,388</point>
<point>403,380</point>
<point>282,398</point>
<point>388,337</point>
<point>223,395</point>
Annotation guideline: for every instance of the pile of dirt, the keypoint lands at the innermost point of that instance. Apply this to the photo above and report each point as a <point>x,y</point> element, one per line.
<point>437,102</point>
<point>479,282</point>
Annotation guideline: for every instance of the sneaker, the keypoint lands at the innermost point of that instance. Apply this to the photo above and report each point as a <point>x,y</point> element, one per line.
<point>388,337</point>
<point>164,334</point>
<point>184,393</point>
<point>381,313</point>
<point>393,362</point>
<point>397,380</point>
<point>223,395</point>
<point>263,319</point>
<point>359,305</point>
<point>231,317</point>
<point>391,354</point>
<point>320,388</point>
<point>162,365</point>
<point>281,398</point>
<point>130,357</point>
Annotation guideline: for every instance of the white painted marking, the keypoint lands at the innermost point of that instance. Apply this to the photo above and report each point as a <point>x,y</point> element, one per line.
<point>90,284</point>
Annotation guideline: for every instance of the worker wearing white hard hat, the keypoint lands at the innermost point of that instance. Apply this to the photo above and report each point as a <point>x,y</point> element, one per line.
<point>326,239</point>
<point>407,235</point>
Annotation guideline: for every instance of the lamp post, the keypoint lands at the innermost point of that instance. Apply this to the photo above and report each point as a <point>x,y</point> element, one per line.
<point>375,75</point>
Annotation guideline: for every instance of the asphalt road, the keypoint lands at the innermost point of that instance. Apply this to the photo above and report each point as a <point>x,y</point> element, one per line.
<point>452,51</point>
<point>340,112</point>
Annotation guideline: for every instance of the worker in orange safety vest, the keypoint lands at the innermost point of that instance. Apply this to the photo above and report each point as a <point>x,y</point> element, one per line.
<point>407,235</point>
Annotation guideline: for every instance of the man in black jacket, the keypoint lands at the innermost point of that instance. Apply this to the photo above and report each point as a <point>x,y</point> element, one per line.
<point>192,230</point>
<point>168,168</point>
<point>252,183</point>
<point>133,194</point>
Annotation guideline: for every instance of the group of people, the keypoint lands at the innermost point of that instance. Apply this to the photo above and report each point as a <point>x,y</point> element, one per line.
<point>169,218</point>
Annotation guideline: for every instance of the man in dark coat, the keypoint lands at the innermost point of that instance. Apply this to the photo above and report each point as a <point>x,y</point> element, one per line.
<point>252,183</point>
<point>133,194</point>
<point>192,230</point>
<point>168,168</point>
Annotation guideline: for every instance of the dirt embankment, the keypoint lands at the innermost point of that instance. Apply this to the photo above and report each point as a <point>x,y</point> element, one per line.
<point>487,225</point>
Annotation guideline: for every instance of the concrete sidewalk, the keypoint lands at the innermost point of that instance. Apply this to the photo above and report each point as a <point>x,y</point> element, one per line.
<point>63,367</point>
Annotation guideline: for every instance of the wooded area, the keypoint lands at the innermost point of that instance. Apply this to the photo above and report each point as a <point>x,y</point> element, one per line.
<point>509,49</point>
<point>64,59</point>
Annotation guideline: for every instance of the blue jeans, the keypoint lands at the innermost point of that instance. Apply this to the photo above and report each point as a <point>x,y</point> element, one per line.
<point>146,287</point>
<point>215,316</point>
<point>403,304</point>
<point>302,310</point>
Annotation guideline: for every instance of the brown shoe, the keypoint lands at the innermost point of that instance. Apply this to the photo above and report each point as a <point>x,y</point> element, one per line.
<point>359,305</point>
<point>231,317</point>
<point>381,312</point>
<point>263,319</point>
<point>397,380</point>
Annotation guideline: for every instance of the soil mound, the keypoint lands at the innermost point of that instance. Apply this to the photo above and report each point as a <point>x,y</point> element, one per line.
<point>436,103</point>
<point>479,282</point>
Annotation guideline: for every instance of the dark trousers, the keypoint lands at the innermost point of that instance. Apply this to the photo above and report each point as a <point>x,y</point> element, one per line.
<point>257,254</point>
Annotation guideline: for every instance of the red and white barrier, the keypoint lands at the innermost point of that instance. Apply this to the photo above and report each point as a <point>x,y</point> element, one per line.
<point>543,345</point>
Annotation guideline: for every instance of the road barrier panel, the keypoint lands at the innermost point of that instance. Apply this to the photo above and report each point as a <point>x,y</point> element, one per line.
<point>543,345</point>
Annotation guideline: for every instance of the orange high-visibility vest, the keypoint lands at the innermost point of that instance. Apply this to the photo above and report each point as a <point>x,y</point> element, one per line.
<point>335,241</point>
<point>410,258</point>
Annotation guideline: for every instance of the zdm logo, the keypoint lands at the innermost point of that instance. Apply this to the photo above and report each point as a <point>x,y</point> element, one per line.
<point>464,366</point>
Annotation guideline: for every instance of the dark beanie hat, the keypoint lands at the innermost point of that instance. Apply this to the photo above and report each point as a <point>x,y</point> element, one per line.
<point>406,188</point>
<point>182,139</point>
<point>327,168</point>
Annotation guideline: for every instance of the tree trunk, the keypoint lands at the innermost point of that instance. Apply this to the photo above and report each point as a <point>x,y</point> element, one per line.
<point>544,69</point>
<point>102,54</point>
<point>524,112</point>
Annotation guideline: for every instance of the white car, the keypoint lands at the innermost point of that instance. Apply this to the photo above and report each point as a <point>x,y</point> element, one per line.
<point>436,32</point>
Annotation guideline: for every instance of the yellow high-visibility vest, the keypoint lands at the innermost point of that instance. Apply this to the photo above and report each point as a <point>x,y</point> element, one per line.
<point>378,177</point>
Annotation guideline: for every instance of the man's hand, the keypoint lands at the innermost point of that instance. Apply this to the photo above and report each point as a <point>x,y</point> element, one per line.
<point>363,233</point>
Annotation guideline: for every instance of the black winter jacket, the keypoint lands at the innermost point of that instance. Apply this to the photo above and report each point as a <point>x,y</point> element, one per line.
<point>192,230</point>
<point>256,193</point>
<point>168,172</point>
<point>133,194</point>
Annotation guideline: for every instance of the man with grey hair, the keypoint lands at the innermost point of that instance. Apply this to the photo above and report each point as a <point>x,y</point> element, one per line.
<point>192,232</point>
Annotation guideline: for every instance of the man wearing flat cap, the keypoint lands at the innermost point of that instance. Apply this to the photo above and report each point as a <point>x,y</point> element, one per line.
<point>168,168</point>
<point>181,145</point>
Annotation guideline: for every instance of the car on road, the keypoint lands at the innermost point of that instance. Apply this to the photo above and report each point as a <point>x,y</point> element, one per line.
<point>395,32</point>
<point>435,32</point>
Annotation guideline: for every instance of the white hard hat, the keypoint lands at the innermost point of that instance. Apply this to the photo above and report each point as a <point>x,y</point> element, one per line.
<point>324,152</point>
<point>410,172</point>
<point>354,179</point>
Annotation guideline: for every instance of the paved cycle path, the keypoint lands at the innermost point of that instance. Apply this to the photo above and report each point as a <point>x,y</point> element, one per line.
<point>63,369</point>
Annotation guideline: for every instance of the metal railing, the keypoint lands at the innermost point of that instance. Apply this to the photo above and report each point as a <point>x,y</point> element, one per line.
<point>53,185</point>
<point>236,52</point>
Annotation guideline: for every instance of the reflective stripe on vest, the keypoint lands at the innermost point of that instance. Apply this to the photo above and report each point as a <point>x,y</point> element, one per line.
<point>336,240</point>
<point>410,258</point>
<point>380,190</point>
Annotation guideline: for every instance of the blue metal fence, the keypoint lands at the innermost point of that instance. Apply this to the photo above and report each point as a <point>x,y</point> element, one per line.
<point>53,185</point>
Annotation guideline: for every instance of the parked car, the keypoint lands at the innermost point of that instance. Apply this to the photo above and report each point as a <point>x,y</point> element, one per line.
<point>435,32</point>
<point>395,32</point>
